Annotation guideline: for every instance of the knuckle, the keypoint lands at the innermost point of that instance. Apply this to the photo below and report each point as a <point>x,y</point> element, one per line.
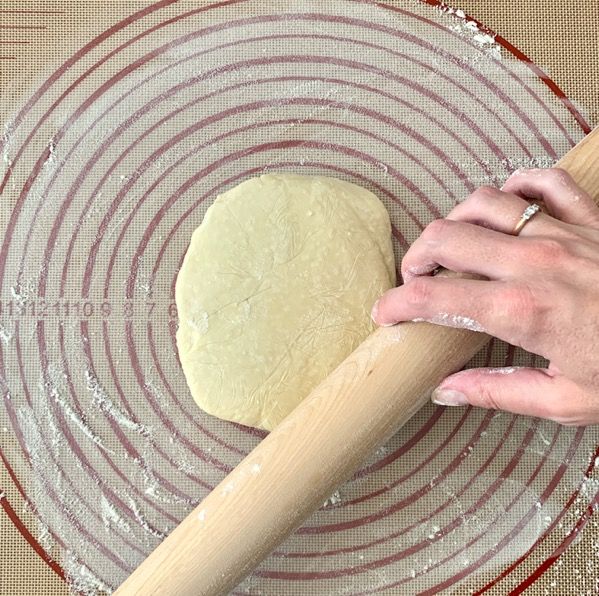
<point>385,303</point>
<point>525,303</point>
<point>487,399</point>
<point>475,209</point>
<point>550,251</point>
<point>525,171</point>
<point>515,301</point>
<point>438,228</point>
<point>559,176</point>
<point>531,302</point>
<point>483,195</point>
<point>419,290</point>
<point>409,258</point>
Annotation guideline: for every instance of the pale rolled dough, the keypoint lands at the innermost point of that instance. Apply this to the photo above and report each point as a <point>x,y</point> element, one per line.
<point>276,290</point>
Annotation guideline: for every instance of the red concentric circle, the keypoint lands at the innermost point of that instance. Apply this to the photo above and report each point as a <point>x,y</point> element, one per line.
<point>111,165</point>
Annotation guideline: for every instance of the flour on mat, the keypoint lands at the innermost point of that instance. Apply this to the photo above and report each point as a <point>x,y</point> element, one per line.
<point>111,517</point>
<point>469,28</point>
<point>55,388</point>
<point>81,579</point>
<point>69,503</point>
<point>7,141</point>
<point>153,388</point>
<point>543,438</point>
<point>44,537</point>
<point>520,163</point>
<point>100,398</point>
<point>142,520</point>
<point>152,487</point>
<point>183,465</point>
<point>23,292</point>
<point>143,281</point>
<point>502,169</point>
<point>51,153</point>
<point>144,286</point>
<point>87,489</point>
<point>333,500</point>
<point>5,335</point>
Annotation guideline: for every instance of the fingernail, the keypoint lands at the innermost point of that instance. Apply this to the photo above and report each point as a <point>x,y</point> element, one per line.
<point>375,311</point>
<point>449,397</point>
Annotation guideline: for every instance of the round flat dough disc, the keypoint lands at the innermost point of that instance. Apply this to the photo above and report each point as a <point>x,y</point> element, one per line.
<point>276,290</point>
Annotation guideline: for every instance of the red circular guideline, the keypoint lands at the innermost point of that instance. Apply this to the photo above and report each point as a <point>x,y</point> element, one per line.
<point>111,165</point>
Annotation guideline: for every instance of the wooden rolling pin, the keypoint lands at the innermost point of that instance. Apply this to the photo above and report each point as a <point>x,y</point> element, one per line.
<point>318,446</point>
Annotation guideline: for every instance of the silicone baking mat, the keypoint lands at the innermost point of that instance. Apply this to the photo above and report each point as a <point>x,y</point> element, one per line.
<point>110,159</point>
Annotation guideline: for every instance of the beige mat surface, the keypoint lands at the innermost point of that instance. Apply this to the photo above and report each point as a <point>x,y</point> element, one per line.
<point>562,38</point>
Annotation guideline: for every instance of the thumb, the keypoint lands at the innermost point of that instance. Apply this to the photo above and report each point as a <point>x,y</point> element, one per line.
<point>530,391</point>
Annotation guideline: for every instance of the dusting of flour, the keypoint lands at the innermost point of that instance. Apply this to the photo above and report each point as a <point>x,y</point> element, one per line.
<point>111,476</point>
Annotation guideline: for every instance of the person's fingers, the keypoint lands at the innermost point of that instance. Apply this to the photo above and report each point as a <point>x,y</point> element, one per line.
<point>510,311</point>
<point>528,391</point>
<point>563,198</point>
<point>464,248</point>
<point>500,211</point>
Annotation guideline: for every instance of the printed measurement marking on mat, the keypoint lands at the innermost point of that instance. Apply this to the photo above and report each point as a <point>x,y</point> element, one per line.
<point>87,309</point>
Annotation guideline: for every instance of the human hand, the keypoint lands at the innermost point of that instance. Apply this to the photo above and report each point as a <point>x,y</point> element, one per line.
<point>540,292</point>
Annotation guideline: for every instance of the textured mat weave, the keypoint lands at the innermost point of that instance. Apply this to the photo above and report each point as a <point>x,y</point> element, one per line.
<point>123,120</point>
